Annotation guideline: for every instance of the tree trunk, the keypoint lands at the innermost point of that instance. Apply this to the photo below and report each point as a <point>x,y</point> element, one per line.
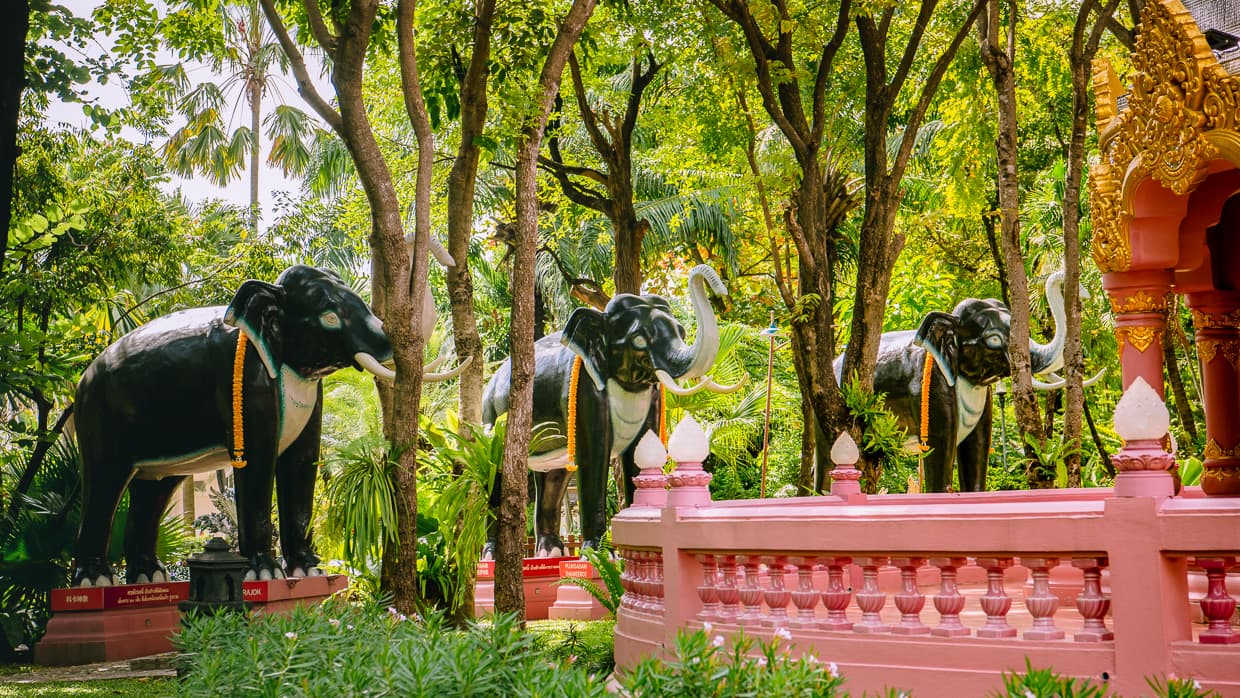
<point>461,186</point>
<point>12,82</point>
<point>510,541</point>
<point>256,111</point>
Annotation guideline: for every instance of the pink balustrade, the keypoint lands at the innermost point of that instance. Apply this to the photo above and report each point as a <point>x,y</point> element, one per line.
<point>1087,583</point>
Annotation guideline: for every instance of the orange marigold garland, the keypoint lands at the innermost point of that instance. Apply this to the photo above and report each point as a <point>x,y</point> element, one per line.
<point>571,422</point>
<point>238,458</point>
<point>924,443</point>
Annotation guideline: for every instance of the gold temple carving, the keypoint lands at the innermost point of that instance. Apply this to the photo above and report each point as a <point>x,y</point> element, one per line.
<point>1202,320</point>
<point>1207,349</point>
<point>1178,94</point>
<point>1140,337</point>
<point>1140,302</point>
<point>1214,451</point>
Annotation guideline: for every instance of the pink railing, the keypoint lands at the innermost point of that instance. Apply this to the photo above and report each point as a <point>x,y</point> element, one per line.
<point>941,594</point>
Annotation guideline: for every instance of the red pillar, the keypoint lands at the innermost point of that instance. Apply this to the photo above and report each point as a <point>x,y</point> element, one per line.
<point>1139,299</point>
<point>1216,317</point>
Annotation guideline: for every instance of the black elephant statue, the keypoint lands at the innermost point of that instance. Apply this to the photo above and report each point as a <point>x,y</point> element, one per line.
<point>625,352</point>
<point>205,388</point>
<point>969,348</point>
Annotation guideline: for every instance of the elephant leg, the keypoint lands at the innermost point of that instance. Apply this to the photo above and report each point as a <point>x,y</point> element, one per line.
<point>974,454</point>
<point>254,532</point>
<point>296,470</point>
<point>549,488</point>
<point>940,461</point>
<point>593,457</point>
<point>103,483</point>
<point>488,548</point>
<point>148,500</point>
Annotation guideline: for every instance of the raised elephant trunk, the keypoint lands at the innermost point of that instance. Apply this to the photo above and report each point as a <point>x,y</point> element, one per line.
<point>1049,357</point>
<point>694,361</point>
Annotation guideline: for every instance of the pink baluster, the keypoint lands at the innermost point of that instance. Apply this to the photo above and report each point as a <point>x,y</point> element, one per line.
<point>805,597</point>
<point>708,590</point>
<point>729,596</point>
<point>776,595</point>
<point>656,582</point>
<point>626,578</point>
<point>909,600</point>
<point>871,599</point>
<point>751,593</point>
<point>1217,605</point>
<point>1091,603</point>
<point>1041,603</point>
<point>641,599</point>
<point>837,596</point>
<point>949,602</point>
<point>995,602</point>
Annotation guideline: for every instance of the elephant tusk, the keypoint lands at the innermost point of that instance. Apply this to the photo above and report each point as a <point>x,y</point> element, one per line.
<point>1061,382</point>
<point>370,363</point>
<point>672,387</point>
<point>434,364</point>
<point>446,375</point>
<point>717,388</point>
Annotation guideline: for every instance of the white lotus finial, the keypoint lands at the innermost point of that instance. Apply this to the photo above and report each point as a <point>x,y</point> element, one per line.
<point>688,443</point>
<point>650,453</point>
<point>1141,414</point>
<point>844,450</point>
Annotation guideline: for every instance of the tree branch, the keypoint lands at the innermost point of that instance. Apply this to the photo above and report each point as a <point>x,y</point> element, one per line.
<point>914,43</point>
<point>327,40</point>
<point>305,86</point>
<point>824,70</point>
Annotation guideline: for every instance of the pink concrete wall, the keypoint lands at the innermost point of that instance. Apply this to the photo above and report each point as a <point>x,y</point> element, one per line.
<point>1141,550</point>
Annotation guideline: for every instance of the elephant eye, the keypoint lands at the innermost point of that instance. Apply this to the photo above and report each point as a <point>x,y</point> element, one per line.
<point>639,342</point>
<point>994,342</point>
<point>330,320</point>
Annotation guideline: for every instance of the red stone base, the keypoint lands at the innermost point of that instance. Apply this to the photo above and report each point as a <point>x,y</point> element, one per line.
<point>280,595</point>
<point>84,637</point>
<point>541,575</point>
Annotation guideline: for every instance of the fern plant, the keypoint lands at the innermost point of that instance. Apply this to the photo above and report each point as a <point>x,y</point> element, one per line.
<point>609,569</point>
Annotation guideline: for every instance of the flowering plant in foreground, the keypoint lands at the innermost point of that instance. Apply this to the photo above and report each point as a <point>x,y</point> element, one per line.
<point>707,664</point>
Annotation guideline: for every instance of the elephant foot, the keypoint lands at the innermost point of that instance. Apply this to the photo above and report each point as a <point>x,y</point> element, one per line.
<point>95,573</point>
<point>262,568</point>
<point>590,544</point>
<point>549,546</point>
<point>304,564</point>
<point>488,551</point>
<point>145,569</point>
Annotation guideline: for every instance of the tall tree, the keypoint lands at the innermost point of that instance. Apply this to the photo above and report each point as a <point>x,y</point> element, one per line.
<point>1085,40</point>
<point>398,284</point>
<point>461,185</point>
<point>12,82</point>
<point>510,542</point>
<point>250,60</point>
<point>612,138</point>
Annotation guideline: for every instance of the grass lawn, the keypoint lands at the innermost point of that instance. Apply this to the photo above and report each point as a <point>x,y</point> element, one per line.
<point>139,688</point>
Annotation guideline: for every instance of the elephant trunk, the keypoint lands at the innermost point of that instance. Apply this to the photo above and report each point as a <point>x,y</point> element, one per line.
<point>685,361</point>
<point>1049,357</point>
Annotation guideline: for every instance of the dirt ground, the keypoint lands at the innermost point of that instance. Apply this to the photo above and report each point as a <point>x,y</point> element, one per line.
<point>159,665</point>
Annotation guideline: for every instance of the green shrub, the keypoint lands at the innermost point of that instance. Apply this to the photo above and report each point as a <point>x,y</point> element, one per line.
<point>342,649</point>
<point>609,569</point>
<point>587,645</point>
<point>705,667</point>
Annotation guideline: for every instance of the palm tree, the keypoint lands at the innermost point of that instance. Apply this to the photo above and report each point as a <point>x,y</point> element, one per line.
<point>250,59</point>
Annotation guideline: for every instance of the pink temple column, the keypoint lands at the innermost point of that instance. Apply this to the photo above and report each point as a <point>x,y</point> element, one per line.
<point>995,602</point>
<point>1139,300</point>
<point>751,592</point>
<point>837,596</point>
<point>871,599</point>
<point>910,600</point>
<point>1091,603</point>
<point>1041,603</point>
<point>1216,317</point>
<point>729,596</point>
<point>776,595</point>
<point>708,591</point>
<point>949,602</point>
<point>805,598</point>
<point>1217,605</point>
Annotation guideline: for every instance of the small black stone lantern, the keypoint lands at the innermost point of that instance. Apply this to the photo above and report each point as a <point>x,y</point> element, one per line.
<point>215,577</point>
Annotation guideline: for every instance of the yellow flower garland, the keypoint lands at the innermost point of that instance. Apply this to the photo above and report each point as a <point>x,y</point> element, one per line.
<point>238,458</point>
<point>924,444</point>
<point>571,422</point>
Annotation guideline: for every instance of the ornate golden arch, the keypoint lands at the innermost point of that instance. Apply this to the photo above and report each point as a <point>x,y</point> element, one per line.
<point>1182,112</point>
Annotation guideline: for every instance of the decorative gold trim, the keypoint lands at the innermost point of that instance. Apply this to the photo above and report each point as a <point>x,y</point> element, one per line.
<point>1139,337</point>
<point>1178,94</point>
<point>1214,451</point>
<point>1140,302</point>
<point>1207,349</point>
<point>1203,320</point>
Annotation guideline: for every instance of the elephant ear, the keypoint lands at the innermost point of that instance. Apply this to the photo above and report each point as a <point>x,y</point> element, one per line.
<point>586,335</point>
<point>258,310</point>
<point>937,335</point>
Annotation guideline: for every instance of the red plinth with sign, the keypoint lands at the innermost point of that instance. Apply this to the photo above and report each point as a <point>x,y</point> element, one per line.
<point>541,575</point>
<point>279,595</point>
<point>572,602</point>
<point>104,624</point>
